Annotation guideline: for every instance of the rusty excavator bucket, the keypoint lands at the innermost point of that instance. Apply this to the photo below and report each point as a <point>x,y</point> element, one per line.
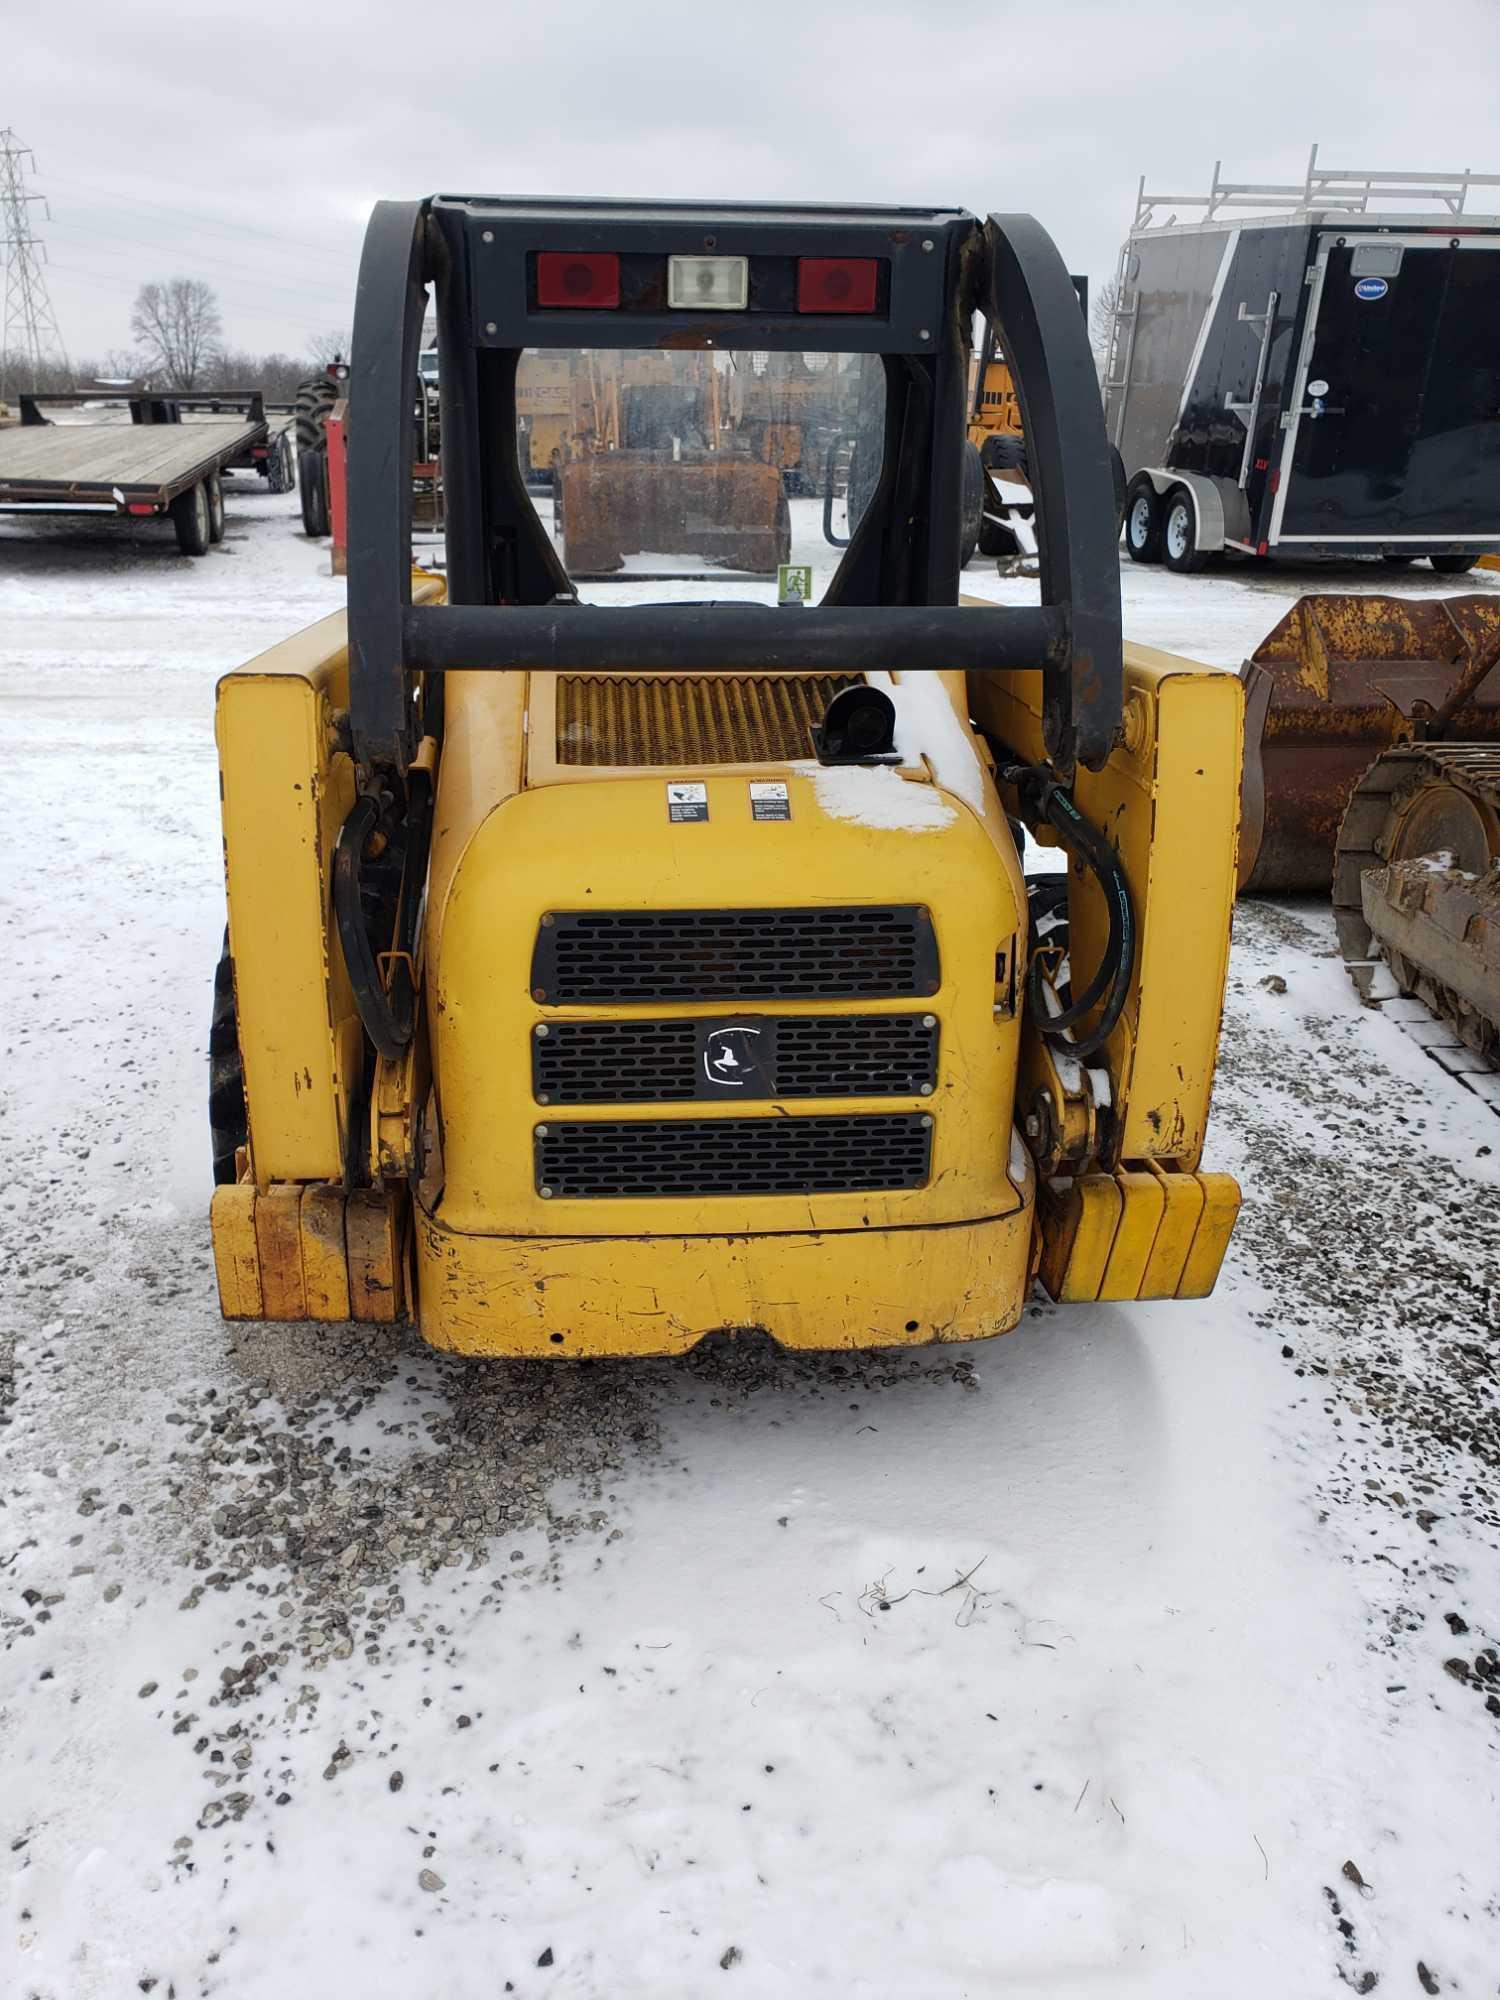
<point>722,508</point>
<point>1339,680</point>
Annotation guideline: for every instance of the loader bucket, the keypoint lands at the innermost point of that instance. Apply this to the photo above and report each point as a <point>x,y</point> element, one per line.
<point>721,509</point>
<point>1340,679</point>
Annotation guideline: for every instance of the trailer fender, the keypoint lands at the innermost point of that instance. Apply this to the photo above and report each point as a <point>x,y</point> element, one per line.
<point>1220,509</point>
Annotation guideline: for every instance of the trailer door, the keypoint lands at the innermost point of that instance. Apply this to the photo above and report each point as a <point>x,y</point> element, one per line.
<point>1395,432</point>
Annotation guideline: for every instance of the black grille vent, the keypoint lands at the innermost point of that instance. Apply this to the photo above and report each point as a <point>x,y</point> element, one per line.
<point>694,1156</point>
<point>752,1056</point>
<point>599,957</point>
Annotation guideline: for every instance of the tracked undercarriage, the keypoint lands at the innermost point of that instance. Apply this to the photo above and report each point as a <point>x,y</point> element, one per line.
<point>1417,891</point>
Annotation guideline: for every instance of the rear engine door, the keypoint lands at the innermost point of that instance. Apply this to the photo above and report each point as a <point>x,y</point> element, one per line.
<point>1395,434</point>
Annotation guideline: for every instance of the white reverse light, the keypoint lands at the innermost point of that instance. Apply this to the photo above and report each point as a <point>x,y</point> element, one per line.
<point>712,284</point>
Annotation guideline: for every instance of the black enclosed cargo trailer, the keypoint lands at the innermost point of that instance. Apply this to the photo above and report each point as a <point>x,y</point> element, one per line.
<point>1325,381</point>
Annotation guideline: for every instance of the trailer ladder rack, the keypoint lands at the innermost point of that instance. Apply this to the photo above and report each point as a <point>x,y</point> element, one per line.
<point>1358,191</point>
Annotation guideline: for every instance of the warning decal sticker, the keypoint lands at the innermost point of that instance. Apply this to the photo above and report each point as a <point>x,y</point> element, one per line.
<point>687,804</point>
<point>769,801</point>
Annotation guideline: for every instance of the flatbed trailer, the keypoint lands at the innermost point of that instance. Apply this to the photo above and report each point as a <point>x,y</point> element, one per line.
<point>167,460</point>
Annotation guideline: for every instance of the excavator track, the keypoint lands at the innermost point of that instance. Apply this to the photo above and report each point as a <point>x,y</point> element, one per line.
<point>1416,900</point>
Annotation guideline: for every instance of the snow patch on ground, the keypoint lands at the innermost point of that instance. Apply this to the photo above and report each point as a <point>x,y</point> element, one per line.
<point>1088,1661</point>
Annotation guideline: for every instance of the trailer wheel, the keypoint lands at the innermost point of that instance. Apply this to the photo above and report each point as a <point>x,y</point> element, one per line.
<point>190,517</point>
<point>312,485</point>
<point>214,487</point>
<point>1143,522</point>
<point>1452,565</point>
<point>228,1122</point>
<point>1179,534</point>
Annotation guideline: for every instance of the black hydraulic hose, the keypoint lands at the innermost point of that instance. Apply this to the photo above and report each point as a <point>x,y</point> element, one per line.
<point>388,1011</point>
<point>1051,801</point>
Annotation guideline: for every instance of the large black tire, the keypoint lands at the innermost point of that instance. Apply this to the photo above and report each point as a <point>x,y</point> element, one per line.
<point>971,510</point>
<point>191,519</point>
<point>1179,534</point>
<point>1452,565</point>
<point>1143,521</point>
<point>996,539</point>
<point>215,489</point>
<point>312,486</point>
<point>227,1120</point>
<point>281,466</point>
<point>314,399</point>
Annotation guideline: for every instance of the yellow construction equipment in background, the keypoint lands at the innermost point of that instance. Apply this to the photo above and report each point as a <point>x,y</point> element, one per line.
<point>603,976</point>
<point>643,456</point>
<point>1372,767</point>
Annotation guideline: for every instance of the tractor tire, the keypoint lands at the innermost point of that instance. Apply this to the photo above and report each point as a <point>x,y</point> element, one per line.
<point>191,519</point>
<point>314,399</point>
<point>228,1121</point>
<point>215,489</point>
<point>312,487</point>
<point>971,504</point>
<point>1143,522</point>
<point>1179,534</point>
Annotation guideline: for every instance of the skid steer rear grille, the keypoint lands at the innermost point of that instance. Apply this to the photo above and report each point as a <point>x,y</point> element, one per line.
<point>744,1056</point>
<point>597,957</point>
<point>694,1156</point>
<point>657,719</point>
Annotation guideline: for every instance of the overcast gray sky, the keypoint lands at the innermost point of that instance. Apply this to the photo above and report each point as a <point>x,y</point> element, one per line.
<point>245,145</point>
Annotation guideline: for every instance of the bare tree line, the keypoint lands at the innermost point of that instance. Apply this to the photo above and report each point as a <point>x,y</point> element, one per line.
<point>179,343</point>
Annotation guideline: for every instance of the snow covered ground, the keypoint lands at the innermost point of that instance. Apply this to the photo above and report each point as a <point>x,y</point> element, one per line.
<point>1142,1652</point>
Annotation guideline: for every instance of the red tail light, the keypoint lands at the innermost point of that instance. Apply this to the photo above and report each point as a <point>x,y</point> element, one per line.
<point>577,278</point>
<point>837,284</point>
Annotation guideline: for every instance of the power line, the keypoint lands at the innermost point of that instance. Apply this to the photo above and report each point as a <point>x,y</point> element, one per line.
<point>128,287</point>
<point>196,220</point>
<point>329,289</point>
<point>28,324</point>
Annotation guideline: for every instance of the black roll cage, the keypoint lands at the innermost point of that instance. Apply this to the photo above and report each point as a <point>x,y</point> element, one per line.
<point>894,599</point>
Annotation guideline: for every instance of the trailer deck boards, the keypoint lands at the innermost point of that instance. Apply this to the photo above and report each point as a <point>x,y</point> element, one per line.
<point>90,463</point>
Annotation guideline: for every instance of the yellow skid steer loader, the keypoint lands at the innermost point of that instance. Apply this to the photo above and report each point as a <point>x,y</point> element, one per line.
<point>606,974</point>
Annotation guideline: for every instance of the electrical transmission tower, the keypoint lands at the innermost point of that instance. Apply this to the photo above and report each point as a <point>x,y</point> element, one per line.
<point>29,336</point>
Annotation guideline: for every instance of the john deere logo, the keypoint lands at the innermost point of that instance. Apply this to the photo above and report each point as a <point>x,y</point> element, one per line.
<point>730,1060</point>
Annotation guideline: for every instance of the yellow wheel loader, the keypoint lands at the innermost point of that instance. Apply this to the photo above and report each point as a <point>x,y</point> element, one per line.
<point>605,974</point>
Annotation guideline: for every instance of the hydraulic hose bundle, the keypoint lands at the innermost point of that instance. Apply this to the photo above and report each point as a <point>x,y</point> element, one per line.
<point>1046,798</point>
<point>376,831</point>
